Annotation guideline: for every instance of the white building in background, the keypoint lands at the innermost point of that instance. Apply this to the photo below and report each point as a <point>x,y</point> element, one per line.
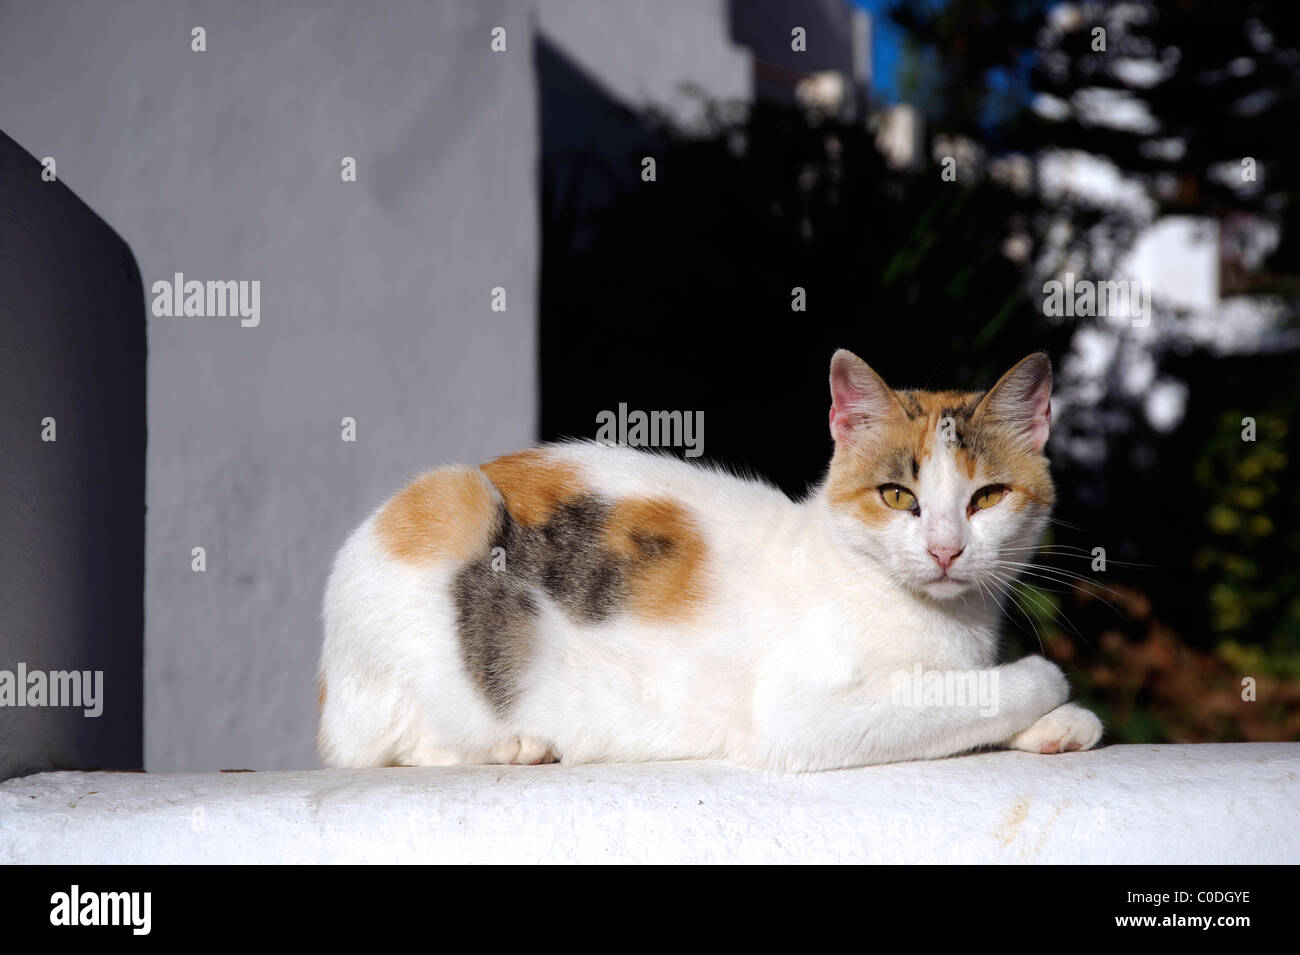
<point>1181,263</point>
<point>663,54</point>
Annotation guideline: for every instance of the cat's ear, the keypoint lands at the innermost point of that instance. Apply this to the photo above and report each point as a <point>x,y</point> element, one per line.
<point>859,397</point>
<point>1022,400</point>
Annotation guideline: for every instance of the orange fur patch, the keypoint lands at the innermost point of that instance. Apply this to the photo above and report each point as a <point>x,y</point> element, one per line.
<point>884,456</point>
<point>852,487</point>
<point>1027,475</point>
<point>320,693</point>
<point>967,462</point>
<point>532,483</point>
<point>446,514</point>
<point>666,553</point>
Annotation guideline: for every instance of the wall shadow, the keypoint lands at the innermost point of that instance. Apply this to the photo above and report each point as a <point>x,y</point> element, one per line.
<point>72,567</point>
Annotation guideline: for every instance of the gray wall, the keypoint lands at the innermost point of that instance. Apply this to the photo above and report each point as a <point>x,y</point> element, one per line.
<point>375,300</point>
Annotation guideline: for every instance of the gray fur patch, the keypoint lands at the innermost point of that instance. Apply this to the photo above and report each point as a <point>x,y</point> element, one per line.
<point>494,616</point>
<point>896,466</point>
<point>564,558</point>
<point>911,407</point>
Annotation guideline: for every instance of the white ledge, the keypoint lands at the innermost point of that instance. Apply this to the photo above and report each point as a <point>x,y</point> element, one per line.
<point>1222,803</point>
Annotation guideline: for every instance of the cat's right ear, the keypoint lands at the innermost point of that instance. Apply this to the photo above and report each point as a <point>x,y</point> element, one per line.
<point>860,399</point>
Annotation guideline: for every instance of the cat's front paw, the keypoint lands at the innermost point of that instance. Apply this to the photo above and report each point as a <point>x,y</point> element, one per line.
<point>1068,727</point>
<point>1039,683</point>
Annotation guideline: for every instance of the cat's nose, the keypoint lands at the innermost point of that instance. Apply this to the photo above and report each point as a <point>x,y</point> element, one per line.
<point>944,556</point>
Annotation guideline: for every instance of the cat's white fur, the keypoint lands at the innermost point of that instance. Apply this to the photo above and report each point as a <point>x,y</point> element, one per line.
<point>789,665</point>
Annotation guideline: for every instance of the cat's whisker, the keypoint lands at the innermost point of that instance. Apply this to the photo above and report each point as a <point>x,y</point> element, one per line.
<point>1046,548</point>
<point>1064,589</point>
<point>1005,589</point>
<point>1063,550</point>
<point>1076,586</point>
<point>1066,577</point>
<point>1032,594</point>
<point>983,598</point>
<point>1064,571</point>
<point>1073,527</point>
<point>1056,613</point>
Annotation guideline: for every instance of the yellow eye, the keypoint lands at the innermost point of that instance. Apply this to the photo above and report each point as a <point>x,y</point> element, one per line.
<point>986,497</point>
<point>899,498</point>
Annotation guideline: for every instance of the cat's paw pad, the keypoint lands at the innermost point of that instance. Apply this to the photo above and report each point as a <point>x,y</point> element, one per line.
<point>1068,727</point>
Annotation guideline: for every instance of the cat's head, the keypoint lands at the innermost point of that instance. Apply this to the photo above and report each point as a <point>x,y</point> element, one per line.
<point>945,489</point>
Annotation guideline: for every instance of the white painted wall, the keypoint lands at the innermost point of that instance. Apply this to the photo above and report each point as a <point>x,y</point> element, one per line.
<point>649,54</point>
<point>374,299</point>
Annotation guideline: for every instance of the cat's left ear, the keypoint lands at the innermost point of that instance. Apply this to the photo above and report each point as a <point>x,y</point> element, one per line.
<point>1022,400</point>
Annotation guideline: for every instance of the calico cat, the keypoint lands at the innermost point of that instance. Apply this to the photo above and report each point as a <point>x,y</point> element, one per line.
<point>587,603</point>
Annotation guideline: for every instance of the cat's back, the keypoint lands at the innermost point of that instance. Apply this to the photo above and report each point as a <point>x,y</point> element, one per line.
<point>587,501</point>
<point>616,472</point>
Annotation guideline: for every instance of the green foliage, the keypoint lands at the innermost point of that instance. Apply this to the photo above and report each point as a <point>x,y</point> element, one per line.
<point>1250,548</point>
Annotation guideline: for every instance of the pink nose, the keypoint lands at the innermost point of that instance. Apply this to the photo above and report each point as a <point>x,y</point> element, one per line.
<point>944,556</point>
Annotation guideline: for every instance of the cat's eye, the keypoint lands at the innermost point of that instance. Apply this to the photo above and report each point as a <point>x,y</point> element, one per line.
<point>899,498</point>
<point>986,497</point>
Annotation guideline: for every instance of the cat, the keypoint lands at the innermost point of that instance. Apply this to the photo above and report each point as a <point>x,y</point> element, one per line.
<point>583,603</point>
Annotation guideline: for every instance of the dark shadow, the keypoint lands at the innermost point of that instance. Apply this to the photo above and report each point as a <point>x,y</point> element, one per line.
<point>677,294</point>
<point>72,565</point>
